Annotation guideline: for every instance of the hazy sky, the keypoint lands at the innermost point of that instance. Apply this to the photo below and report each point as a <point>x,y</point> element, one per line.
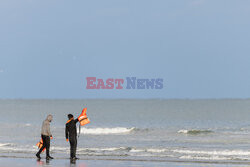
<point>201,48</point>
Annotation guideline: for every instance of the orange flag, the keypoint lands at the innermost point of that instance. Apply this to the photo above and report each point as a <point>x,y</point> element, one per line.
<point>83,119</point>
<point>40,144</point>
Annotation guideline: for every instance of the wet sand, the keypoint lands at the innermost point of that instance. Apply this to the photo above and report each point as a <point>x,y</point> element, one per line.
<point>24,162</point>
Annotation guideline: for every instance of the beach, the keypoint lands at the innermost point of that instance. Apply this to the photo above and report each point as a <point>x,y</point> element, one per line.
<point>124,132</point>
<point>23,162</point>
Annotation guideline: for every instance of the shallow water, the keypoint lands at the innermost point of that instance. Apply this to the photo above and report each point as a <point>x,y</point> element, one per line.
<point>158,130</point>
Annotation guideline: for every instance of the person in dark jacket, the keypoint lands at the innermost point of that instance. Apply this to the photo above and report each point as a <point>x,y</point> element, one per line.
<point>71,135</point>
<point>46,135</point>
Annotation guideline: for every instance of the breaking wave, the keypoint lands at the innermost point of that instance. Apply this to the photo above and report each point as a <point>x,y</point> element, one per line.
<point>106,131</point>
<point>195,131</point>
<point>5,144</point>
<point>176,153</point>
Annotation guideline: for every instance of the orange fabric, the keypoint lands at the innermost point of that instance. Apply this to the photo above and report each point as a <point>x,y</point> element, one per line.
<point>40,144</point>
<point>67,140</point>
<point>68,121</point>
<point>83,119</point>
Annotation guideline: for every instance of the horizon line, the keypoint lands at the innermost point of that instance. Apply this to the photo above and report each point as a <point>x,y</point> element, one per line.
<point>226,98</point>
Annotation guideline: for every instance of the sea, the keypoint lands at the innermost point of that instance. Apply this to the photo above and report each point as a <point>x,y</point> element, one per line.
<point>210,131</point>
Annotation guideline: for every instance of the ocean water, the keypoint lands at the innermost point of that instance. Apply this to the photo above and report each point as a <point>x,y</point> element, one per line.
<point>198,131</point>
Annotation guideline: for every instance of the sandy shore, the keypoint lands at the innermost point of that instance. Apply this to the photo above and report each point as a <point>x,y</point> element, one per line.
<point>24,162</point>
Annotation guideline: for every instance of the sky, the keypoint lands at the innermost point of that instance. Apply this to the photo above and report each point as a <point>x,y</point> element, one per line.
<point>200,48</point>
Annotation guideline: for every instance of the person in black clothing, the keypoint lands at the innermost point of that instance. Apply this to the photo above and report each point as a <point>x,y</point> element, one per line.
<point>71,135</point>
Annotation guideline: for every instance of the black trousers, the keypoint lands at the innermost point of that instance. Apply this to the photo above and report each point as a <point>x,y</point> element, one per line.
<point>73,145</point>
<point>46,144</point>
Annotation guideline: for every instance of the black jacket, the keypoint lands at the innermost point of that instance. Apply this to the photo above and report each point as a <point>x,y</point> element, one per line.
<point>70,130</point>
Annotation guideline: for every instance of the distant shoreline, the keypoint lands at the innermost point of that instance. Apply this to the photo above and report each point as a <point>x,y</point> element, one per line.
<point>191,99</point>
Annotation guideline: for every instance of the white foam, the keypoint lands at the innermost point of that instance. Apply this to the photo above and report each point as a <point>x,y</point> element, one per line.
<point>106,131</point>
<point>56,148</point>
<point>156,150</point>
<point>17,149</point>
<point>204,158</point>
<point>215,152</point>
<point>102,149</point>
<point>195,131</point>
<point>27,124</point>
<point>183,131</point>
<point>112,148</point>
<point>182,153</point>
<point>5,144</point>
<point>136,150</point>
